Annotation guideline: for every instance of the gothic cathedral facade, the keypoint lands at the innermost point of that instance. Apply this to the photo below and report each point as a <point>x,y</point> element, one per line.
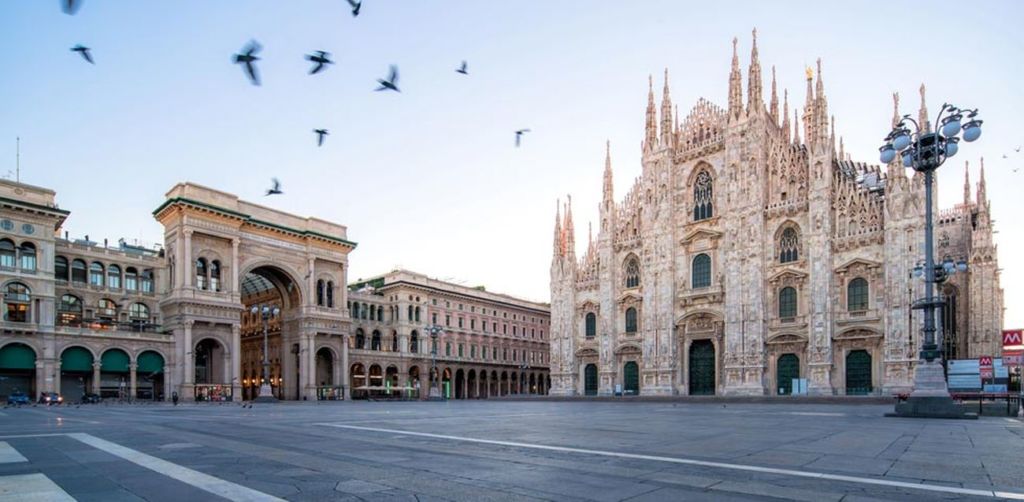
<point>752,255</point>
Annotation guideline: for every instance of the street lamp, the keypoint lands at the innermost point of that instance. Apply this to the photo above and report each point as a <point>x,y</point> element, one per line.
<point>924,148</point>
<point>435,331</point>
<point>266,312</point>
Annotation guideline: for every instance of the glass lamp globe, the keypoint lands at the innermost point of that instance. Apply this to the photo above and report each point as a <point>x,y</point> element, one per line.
<point>901,141</point>
<point>961,266</point>
<point>951,147</point>
<point>972,130</point>
<point>951,128</point>
<point>887,153</point>
<point>908,160</point>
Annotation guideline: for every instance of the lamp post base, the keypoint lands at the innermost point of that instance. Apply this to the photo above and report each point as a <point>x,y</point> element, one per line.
<point>930,398</point>
<point>435,394</point>
<point>266,395</point>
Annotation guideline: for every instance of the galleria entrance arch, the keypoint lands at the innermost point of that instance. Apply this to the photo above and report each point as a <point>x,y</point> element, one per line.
<point>227,255</point>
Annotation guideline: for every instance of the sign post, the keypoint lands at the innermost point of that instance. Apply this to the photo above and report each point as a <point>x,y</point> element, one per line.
<point>985,367</point>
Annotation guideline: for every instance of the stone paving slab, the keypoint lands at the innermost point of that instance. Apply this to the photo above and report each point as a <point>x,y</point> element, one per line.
<point>279,450</point>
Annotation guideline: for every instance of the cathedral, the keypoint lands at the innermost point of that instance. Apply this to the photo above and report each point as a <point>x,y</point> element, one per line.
<point>753,256</point>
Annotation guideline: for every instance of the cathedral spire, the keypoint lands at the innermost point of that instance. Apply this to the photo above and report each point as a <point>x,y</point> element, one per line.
<point>651,128</point>
<point>735,85</point>
<point>666,114</point>
<point>773,106</point>
<point>608,193</point>
<point>785,113</point>
<point>809,107</point>
<point>821,107</point>
<point>922,114</point>
<point>895,109</point>
<point>967,183</point>
<point>832,136</point>
<point>570,232</point>
<point>842,151</point>
<point>754,101</point>
<point>558,249</point>
<point>982,196</point>
<point>796,127</point>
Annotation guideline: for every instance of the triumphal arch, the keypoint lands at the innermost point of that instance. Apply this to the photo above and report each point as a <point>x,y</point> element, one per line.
<point>227,255</point>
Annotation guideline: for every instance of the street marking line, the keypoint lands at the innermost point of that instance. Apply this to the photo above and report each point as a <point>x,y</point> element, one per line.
<point>22,487</point>
<point>815,414</point>
<point>41,435</point>
<point>702,463</point>
<point>205,482</point>
<point>9,455</point>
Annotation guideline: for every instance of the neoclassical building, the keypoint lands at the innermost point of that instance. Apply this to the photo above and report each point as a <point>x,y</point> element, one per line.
<point>752,251</point>
<point>143,322</point>
<point>490,345</point>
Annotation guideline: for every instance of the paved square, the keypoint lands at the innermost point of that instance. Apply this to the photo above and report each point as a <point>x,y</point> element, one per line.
<point>505,450</point>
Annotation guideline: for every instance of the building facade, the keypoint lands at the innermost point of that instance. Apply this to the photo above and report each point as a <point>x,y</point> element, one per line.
<point>752,251</point>
<point>489,345</point>
<point>136,322</point>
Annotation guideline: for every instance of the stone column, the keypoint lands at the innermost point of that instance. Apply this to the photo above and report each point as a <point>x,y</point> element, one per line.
<point>96,365</point>
<point>235,286</point>
<point>188,268</point>
<point>188,376</point>
<point>236,362</point>
<point>346,380</point>
<point>132,381</point>
<point>311,382</point>
<point>311,282</point>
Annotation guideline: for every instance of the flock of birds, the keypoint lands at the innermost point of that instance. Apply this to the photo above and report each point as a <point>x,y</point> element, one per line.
<point>248,57</point>
<point>1015,151</point>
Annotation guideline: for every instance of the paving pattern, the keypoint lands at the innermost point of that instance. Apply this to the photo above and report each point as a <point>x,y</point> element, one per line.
<point>503,450</point>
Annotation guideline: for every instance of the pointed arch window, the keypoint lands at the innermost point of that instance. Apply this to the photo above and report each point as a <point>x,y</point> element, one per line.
<point>703,195</point>
<point>701,271</point>
<point>375,341</point>
<point>417,312</point>
<point>631,320</point>
<point>414,342</point>
<point>787,303</point>
<point>360,338</point>
<point>632,272</point>
<point>320,292</point>
<point>789,246</point>
<point>330,294</point>
<point>857,295</point>
<point>591,323</point>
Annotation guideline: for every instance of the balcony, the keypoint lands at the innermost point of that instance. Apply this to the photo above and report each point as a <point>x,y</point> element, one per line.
<point>846,317</point>
<point>695,296</point>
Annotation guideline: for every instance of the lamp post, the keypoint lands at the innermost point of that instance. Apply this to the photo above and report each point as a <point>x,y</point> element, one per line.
<point>435,390</point>
<point>924,148</point>
<point>266,312</point>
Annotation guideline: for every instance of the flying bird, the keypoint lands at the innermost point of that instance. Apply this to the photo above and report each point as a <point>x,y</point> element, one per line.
<point>390,83</point>
<point>320,133</point>
<point>84,52</point>
<point>70,7</point>
<point>355,7</point>
<point>519,135</point>
<point>321,59</point>
<point>462,69</point>
<point>1004,156</point>
<point>1017,149</point>
<point>276,189</point>
<point>248,58</point>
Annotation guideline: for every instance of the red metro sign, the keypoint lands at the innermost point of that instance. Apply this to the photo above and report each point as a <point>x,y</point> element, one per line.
<point>1013,339</point>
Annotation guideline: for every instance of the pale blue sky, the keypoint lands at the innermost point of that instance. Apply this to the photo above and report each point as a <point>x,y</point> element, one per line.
<point>428,179</point>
